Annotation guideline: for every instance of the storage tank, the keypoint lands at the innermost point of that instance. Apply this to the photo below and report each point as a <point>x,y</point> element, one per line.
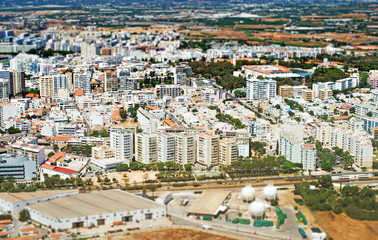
<point>247,194</point>
<point>257,209</point>
<point>270,192</point>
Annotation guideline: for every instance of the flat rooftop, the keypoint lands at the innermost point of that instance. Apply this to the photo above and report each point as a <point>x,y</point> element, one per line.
<point>92,204</point>
<point>209,202</point>
<point>25,196</point>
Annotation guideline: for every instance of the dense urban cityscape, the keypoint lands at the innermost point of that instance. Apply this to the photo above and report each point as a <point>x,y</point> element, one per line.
<point>188,119</point>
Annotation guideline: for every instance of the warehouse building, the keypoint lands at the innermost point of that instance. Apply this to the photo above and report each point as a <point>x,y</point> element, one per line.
<point>210,203</point>
<point>15,202</point>
<point>94,209</point>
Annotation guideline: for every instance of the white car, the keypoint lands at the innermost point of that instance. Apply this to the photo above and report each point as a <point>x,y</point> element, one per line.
<point>206,227</point>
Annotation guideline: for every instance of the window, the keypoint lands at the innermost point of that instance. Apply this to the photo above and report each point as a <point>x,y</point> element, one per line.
<point>127,219</point>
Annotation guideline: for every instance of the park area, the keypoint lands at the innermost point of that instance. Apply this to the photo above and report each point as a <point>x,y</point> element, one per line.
<point>340,226</point>
<point>169,234</point>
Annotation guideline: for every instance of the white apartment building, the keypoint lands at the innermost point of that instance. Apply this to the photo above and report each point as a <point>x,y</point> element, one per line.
<point>291,146</point>
<point>60,81</point>
<point>147,121</point>
<point>340,84</point>
<point>122,144</point>
<point>166,147</point>
<point>228,151</point>
<point>146,148</point>
<point>208,149</point>
<point>185,148</point>
<point>9,110</point>
<point>264,89</point>
<point>356,142</point>
<point>82,80</point>
<point>171,90</point>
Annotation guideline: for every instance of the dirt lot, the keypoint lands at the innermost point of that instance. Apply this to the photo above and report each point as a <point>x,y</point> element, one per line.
<point>169,234</point>
<point>343,227</point>
<point>132,177</point>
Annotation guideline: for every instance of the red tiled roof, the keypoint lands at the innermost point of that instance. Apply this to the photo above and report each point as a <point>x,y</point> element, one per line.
<point>64,170</point>
<point>58,169</point>
<point>151,107</point>
<point>56,156</point>
<point>61,138</point>
<point>340,117</point>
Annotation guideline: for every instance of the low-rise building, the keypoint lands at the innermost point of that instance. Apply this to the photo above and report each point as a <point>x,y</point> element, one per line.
<point>95,209</point>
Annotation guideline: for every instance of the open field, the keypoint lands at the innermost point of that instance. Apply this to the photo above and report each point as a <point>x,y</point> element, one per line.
<point>343,227</point>
<point>169,234</point>
<point>288,38</point>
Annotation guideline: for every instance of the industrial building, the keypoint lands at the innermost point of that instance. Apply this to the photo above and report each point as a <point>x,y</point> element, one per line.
<point>15,202</point>
<point>94,209</point>
<point>210,203</point>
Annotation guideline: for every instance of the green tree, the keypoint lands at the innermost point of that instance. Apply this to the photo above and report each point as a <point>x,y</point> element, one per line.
<point>50,154</point>
<point>188,167</point>
<point>122,167</point>
<point>325,181</point>
<point>13,130</point>
<point>123,113</point>
<point>326,166</point>
<point>24,215</point>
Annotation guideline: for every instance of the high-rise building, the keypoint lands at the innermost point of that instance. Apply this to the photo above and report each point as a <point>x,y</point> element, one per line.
<point>110,81</point>
<point>308,95</point>
<point>82,80</point>
<point>228,151</point>
<point>325,94</point>
<point>4,88</point>
<point>16,82</point>
<point>208,149</point>
<point>263,89</point>
<point>292,147</point>
<point>146,148</point>
<point>285,91</point>
<point>90,50</point>
<point>46,86</point>
<point>60,81</point>
<point>170,90</point>
<point>375,133</point>
<point>122,144</point>
<point>185,148</point>
<point>166,147</point>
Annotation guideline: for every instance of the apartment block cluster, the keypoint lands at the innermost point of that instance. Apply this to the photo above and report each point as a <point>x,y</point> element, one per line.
<point>352,139</point>
<point>181,147</point>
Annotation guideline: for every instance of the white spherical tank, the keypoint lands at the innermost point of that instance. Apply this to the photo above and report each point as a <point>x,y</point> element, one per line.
<point>247,193</point>
<point>270,192</point>
<point>257,209</point>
